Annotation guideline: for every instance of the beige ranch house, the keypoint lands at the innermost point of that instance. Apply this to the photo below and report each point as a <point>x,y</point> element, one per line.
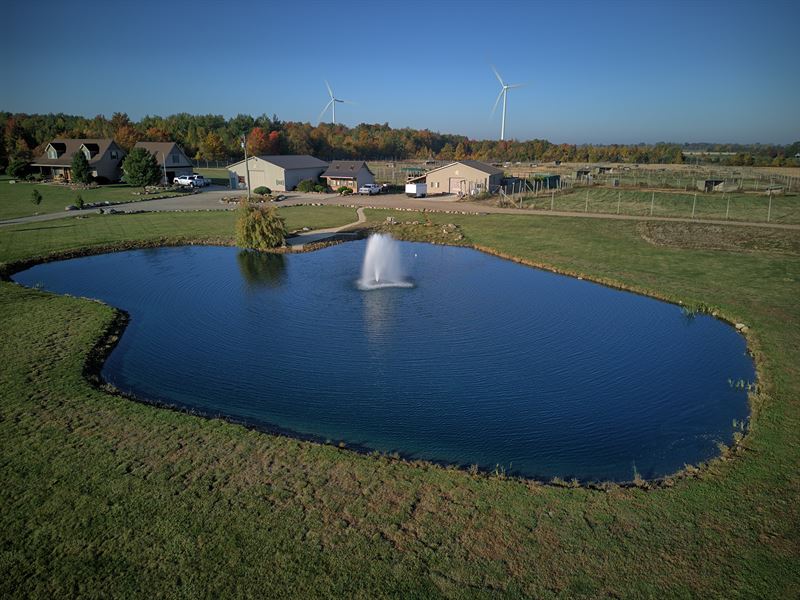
<point>348,173</point>
<point>171,159</point>
<point>279,173</point>
<point>104,156</point>
<point>462,177</point>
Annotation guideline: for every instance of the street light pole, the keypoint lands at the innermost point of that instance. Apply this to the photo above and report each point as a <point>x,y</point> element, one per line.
<point>246,166</point>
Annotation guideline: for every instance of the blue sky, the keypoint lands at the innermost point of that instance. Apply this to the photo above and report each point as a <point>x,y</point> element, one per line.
<point>596,72</point>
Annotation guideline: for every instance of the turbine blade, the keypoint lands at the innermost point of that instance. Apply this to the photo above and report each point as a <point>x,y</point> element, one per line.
<point>319,118</point>
<point>328,85</point>
<point>517,85</point>
<point>496,102</point>
<point>346,101</point>
<point>496,74</point>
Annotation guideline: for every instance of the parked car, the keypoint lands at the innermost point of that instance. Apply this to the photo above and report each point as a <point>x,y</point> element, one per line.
<point>192,180</point>
<point>370,189</point>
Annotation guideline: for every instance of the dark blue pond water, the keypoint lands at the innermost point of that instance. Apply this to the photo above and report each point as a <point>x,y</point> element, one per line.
<point>483,362</point>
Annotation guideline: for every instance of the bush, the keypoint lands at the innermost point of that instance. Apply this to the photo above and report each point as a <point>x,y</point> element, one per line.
<point>100,180</point>
<point>320,188</point>
<point>17,168</point>
<point>34,177</point>
<point>79,201</point>
<point>344,190</point>
<point>307,185</point>
<point>259,227</point>
<point>36,197</point>
<point>262,190</point>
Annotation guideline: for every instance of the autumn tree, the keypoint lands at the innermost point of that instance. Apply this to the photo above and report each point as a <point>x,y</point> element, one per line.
<point>257,142</point>
<point>141,168</point>
<point>212,147</point>
<point>156,134</point>
<point>81,171</point>
<point>127,136</point>
<point>460,153</point>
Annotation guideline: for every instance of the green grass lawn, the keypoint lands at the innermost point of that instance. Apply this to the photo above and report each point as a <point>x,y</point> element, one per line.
<point>743,207</point>
<point>218,176</point>
<point>15,198</point>
<point>103,496</point>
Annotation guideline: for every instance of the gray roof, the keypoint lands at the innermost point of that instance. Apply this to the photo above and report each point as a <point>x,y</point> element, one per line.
<point>66,148</point>
<point>345,168</point>
<point>290,161</point>
<point>475,164</point>
<point>163,149</point>
<point>481,166</point>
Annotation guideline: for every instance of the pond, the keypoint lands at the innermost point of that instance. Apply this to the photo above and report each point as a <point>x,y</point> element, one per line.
<point>481,361</point>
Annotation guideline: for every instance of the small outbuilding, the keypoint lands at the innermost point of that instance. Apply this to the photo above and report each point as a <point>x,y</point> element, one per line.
<point>279,173</point>
<point>348,173</point>
<point>171,158</point>
<point>462,177</point>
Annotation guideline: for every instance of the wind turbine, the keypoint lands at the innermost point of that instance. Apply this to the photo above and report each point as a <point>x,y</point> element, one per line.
<point>504,93</point>
<point>332,103</point>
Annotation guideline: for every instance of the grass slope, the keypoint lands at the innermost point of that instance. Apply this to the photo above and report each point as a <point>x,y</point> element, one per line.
<point>104,496</point>
<point>15,198</point>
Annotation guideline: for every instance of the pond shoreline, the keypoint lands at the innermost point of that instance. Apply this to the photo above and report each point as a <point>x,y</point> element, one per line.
<point>109,338</point>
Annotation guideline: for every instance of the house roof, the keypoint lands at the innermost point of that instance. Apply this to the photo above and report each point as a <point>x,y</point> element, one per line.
<point>345,168</point>
<point>66,148</point>
<point>290,161</point>
<point>475,164</point>
<point>163,149</point>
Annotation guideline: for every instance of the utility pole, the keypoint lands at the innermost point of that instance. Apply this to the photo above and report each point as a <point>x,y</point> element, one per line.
<point>652,202</point>
<point>165,168</point>
<point>246,165</point>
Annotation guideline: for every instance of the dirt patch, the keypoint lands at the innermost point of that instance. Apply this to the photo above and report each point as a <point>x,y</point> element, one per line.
<point>702,236</point>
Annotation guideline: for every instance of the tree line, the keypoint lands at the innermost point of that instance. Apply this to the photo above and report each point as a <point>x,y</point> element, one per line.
<point>213,137</point>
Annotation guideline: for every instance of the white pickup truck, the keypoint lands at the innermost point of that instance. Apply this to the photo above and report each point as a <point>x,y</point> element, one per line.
<point>370,189</point>
<point>192,180</point>
<point>416,190</point>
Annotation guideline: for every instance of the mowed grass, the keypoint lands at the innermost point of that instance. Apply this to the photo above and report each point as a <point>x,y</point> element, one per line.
<point>103,496</point>
<point>15,198</point>
<point>742,207</point>
<point>218,176</point>
<point>39,239</point>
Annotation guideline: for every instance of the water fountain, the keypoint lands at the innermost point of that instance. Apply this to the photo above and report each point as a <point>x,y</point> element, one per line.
<point>382,267</point>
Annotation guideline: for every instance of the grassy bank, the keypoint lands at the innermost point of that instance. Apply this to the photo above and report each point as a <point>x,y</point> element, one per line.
<point>15,198</point>
<point>38,239</point>
<point>104,496</point>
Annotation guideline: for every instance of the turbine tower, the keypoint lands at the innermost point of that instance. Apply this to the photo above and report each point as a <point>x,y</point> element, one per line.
<point>332,103</point>
<point>504,93</point>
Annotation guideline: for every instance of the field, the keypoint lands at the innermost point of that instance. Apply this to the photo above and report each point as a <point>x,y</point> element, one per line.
<point>103,496</point>
<point>15,198</point>
<point>733,207</point>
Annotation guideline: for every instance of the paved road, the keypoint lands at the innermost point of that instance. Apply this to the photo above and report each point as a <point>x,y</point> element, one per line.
<point>210,199</point>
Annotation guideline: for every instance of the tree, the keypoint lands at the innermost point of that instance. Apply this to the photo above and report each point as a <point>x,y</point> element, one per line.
<point>460,153</point>
<point>141,168</point>
<point>257,142</point>
<point>81,171</point>
<point>212,147</point>
<point>127,136</point>
<point>262,190</point>
<point>259,227</point>
<point>36,197</point>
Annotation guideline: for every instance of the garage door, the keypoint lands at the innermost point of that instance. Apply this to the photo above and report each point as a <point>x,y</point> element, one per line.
<point>257,179</point>
<point>457,186</point>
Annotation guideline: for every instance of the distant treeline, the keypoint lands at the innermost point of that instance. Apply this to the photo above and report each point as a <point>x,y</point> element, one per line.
<point>213,137</point>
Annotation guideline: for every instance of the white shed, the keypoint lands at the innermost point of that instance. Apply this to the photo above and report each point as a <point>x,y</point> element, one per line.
<point>279,173</point>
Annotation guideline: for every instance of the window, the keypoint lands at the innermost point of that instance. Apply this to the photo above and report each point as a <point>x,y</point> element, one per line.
<point>279,182</point>
<point>51,152</point>
<point>114,154</point>
<point>86,153</point>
